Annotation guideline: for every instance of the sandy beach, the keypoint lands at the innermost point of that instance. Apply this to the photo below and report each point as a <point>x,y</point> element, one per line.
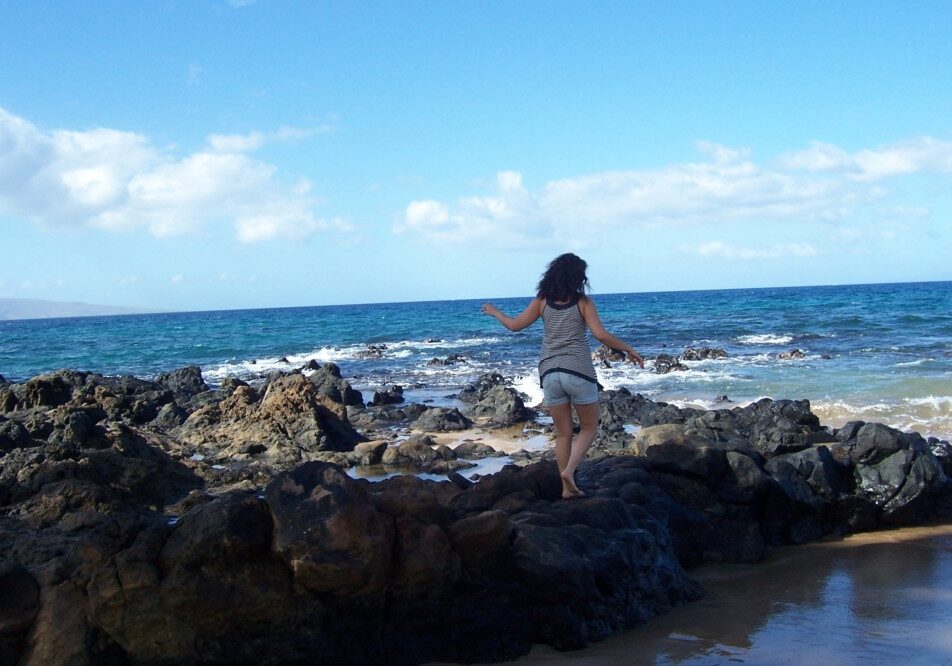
<point>879,597</point>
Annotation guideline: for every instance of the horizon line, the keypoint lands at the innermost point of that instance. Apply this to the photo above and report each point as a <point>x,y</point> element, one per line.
<point>147,312</point>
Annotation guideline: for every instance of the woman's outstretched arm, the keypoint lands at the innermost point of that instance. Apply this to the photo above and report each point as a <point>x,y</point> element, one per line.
<point>590,315</point>
<point>528,316</point>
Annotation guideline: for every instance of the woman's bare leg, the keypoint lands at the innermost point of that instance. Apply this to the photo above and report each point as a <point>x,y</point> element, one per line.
<point>562,419</point>
<point>588,424</point>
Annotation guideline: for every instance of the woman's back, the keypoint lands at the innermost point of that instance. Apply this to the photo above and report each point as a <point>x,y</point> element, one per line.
<point>564,342</point>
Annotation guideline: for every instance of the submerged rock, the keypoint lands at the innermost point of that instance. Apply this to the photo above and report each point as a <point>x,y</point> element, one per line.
<point>702,353</point>
<point>452,359</point>
<point>665,363</point>
<point>791,355</point>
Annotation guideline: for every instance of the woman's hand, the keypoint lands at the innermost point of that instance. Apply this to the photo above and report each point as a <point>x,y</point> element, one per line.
<point>491,310</point>
<point>635,357</point>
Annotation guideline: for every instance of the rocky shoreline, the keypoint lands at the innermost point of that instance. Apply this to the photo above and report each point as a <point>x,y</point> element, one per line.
<point>166,521</point>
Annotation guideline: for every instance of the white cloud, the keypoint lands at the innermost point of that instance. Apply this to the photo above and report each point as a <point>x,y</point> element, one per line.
<point>244,143</point>
<point>720,249</point>
<point>510,216</point>
<point>117,180</point>
<point>129,279</point>
<point>572,210</point>
<point>914,156</point>
<point>821,184</point>
<point>178,278</point>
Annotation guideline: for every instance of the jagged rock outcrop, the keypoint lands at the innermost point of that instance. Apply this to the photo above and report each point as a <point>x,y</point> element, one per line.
<point>476,391</point>
<point>329,383</point>
<point>120,543</point>
<point>292,419</point>
<point>420,570</point>
<point>604,356</point>
<point>441,419</point>
<point>501,405</point>
<point>702,354</point>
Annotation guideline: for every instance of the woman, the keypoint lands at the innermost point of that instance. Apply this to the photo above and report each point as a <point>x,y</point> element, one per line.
<point>566,371</point>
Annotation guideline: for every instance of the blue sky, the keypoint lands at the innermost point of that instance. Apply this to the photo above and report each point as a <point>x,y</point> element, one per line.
<point>203,155</point>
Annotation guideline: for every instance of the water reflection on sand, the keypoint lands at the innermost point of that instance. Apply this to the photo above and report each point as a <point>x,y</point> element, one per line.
<point>876,598</point>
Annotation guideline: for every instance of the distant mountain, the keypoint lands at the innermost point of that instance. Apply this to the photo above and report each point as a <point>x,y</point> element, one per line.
<point>31,308</point>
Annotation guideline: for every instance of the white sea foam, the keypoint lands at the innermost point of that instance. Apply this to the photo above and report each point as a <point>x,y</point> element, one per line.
<point>697,403</point>
<point>942,404</point>
<point>928,415</point>
<point>765,339</point>
<point>911,364</point>
<point>529,384</point>
<point>402,349</point>
<point>638,379</point>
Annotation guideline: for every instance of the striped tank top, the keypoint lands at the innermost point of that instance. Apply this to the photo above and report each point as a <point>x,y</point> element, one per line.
<point>564,342</point>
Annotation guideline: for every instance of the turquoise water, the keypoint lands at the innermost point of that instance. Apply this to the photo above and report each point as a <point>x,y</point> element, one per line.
<point>889,346</point>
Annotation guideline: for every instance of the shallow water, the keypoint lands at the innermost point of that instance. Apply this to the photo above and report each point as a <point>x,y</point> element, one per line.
<point>879,598</point>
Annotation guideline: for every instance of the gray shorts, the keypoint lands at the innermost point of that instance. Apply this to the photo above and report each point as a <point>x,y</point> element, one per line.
<point>560,388</point>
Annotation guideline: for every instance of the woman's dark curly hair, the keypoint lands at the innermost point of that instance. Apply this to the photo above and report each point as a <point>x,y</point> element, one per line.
<point>564,279</point>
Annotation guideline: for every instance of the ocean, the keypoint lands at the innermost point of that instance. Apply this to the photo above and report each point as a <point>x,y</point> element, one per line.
<point>878,352</point>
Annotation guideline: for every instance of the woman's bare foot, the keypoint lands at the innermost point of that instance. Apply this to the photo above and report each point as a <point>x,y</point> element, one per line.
<point>569,489</point>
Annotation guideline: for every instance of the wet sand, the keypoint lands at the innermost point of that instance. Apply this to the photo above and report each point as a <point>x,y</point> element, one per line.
<point>508,440</point>
<point>876,598</point>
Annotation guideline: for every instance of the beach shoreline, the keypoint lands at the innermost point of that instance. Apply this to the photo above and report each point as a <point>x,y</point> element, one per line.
<point>760,613</point>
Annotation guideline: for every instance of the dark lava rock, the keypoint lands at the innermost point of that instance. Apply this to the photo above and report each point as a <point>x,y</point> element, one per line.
<point>392,396</point>
<point>50,390</point>
<point>329,382</point>
<point>19,606</point>
<point>372,351</point>
<point>442,419</point>
<point>328,532</point>
<point>8,400</point>
<point>229,384</point>
<point>472,449</point>
<point>702,354</point>
<point>116,547</point>
<point>293,418</point>
<point>476,391</point>
<point>791,355</point>
<point>605,355</point>
<point>501,405</point>
<point>665,363</point>
<point>452,359</point>
<point>170,416</point>
<point>185,382</point>
<point>13,434</point>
